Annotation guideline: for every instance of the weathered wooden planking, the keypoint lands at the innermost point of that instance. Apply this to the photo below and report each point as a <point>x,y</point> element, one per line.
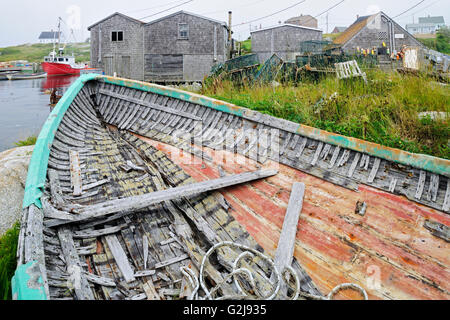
<point>120,257</point>
<point>80,284</point>
<point>150,291</point>
<point>438,229</point>
<point>134,203</point>
<point>86,234</point>
<point>285,249</point>
<point>75,172</point>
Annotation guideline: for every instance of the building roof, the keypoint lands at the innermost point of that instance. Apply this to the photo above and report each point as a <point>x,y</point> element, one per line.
<point>436,20</point>
<point>188,13</point>
<point>301,17</point>
<point>351,31</point>
<point>49,35</point>
<point>340,29</point>
<point>287,25</point>
<point>112,15</point>
<point>420,25</point>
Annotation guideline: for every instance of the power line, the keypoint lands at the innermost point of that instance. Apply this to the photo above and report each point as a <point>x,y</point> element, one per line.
<point>329,9</point>
<point>154,7</point>
<point>272,14</point>
<point>408,9</point>
<point>178,5</point>
<point>422,9</point>
<point>245,5</point>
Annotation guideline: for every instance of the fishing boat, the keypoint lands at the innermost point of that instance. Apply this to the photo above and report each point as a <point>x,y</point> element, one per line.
<point>59,63</point>
<point>140,191</point>
<point>4,74</point>
<point>26,76</point>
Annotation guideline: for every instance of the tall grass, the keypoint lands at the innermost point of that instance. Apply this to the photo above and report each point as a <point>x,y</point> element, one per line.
<point>384,111</point>
<point>30,141</point>
<point>8,248</point>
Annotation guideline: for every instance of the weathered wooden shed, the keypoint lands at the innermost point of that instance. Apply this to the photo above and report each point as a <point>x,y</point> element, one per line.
<point>283,39</point>
<point>117,46</point>
<point>182,46</point>
<point>371,31</point>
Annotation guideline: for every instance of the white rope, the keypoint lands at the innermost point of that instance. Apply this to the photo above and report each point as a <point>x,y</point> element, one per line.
<point>251,253</point>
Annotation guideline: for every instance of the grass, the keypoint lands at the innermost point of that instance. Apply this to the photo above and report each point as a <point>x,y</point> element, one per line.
<point>384,112</point>
<point>8,248</point>
<point>36,52</point>
<point>30,141</point>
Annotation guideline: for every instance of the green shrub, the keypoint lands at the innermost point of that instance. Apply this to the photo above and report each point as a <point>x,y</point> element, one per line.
<point>8,248</point>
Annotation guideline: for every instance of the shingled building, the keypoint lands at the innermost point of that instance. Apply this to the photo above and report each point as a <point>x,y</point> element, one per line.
<point>283,39</point>
<point>372,31</point>
<point>179,47</point>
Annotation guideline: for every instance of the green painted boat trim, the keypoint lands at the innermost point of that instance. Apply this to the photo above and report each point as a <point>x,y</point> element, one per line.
<point>37,168</point>
<point>27,283</point>
<point>420,161</point>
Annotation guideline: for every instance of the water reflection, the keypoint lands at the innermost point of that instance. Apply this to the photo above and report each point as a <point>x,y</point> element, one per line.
<point>25,105</point>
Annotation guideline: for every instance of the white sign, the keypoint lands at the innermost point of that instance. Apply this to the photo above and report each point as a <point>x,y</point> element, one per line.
<point>399,36</point>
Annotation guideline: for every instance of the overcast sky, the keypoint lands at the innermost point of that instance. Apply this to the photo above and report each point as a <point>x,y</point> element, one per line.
<point>22,21</point>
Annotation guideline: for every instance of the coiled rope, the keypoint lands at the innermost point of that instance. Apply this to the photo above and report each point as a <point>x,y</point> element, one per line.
<point>246,273</point>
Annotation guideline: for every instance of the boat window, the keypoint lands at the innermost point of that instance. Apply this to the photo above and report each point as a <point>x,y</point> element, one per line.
<point>183,31</point>
<point>67,59</point>
<point>117,36</point>
<point>60,59</point>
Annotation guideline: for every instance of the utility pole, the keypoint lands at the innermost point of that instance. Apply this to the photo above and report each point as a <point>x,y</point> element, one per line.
<point>327,22</point>
<point>230,41</point>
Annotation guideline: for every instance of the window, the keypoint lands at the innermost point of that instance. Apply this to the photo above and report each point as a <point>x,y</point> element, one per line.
<point>117,36</point>
<point>60,59</point>
<point>183,31</point>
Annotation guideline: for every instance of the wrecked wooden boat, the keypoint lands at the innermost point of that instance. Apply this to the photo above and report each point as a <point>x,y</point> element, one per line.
<point>138,191</point>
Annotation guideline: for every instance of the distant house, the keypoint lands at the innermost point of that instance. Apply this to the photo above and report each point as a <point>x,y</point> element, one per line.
<point>182,46</point>
<point>48,36</point>
<point>339,29</point>
<point>372,32</point>
<point>426,25</point>
<point>304,20</point>
<point>283,39</point>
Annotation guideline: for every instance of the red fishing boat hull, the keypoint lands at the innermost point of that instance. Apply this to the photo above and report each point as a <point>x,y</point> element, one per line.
<point>55,68</point>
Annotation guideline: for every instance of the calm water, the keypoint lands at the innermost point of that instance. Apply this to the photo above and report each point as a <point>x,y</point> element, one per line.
<point>25,105</point>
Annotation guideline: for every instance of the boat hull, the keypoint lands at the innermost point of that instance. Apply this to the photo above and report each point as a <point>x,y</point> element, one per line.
<point>105,143</point>
<point>54,68</point>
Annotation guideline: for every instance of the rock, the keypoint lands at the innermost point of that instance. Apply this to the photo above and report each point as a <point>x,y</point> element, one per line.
<point>13,174</point>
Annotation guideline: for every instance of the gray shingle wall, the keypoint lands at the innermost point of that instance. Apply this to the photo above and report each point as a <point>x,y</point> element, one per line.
<point>116,54</point>
<point>144,46</point>
<point>198,49</point>
<point>286,41</point>
<point>377,32</point>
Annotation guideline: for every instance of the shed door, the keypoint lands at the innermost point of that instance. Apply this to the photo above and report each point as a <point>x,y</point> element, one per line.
<point>125,67</point>
<point>108,65</point>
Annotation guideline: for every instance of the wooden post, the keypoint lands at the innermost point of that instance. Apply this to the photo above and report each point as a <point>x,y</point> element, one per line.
<point>230,42</point>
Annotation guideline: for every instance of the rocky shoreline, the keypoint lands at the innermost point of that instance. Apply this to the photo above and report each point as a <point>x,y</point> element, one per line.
<point>13,174</point>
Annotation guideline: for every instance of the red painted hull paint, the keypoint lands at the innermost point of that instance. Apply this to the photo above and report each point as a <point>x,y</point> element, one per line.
<point>387,251</point>
<point>55,68</point>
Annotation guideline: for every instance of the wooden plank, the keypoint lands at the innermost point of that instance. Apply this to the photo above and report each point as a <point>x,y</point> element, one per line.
<point>317,154</point>
<point>134,203</point>
<point>120,257</point>
<point>80,284</point>
<point>438,229</point>
<point>150,105</point>
<point>433,188</point>
<point>374,171</point>
<point>285,249</point>
<point>144,273</point>
<point>145,249</point>
<point>86,234</point>
<point>334,157</point>
<point>171,261</point>
<point>393,184</point>
<point>107,282</point>
<point>354,164</point>
<point>75,172</point>
<point>420,184</point>
<point>150,291</point>
<point>301,147</point>
<point>446,205</point>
